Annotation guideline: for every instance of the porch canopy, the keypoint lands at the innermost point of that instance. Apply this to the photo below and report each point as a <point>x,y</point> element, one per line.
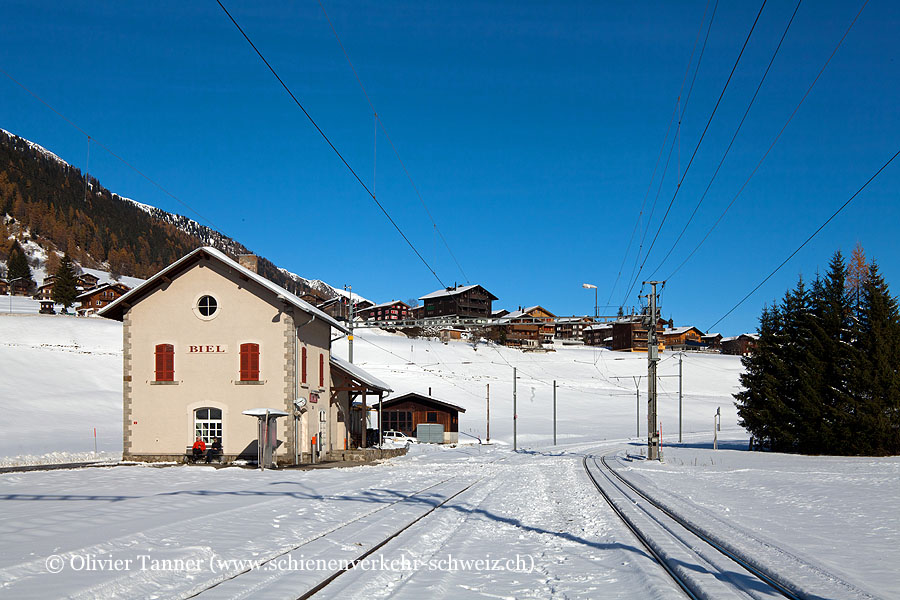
<point>357,384</point>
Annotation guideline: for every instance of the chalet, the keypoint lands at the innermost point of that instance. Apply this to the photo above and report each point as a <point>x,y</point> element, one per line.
<point>572,328</point>
<point>451,333</point>
<point>533,326</point>
<point>98,297</point>
<point>740,345</point>
<point>629,334</point>
<point>683,338</point>
<point>87,280</point>
<point>405,413</point>
<point>394,310</point>
<point>599,334</point>
<point>713,341</point>
<point>44,291</point>
<point>500,312</point>
<point>207,339</point>
<point>472,301</point>
<point>417,312</point>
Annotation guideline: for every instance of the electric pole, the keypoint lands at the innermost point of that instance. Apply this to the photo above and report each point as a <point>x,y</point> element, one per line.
<point>488,413</point>
<point>554,412</point>
<point>515,415</point>
<point>680,358</point>
<point>652,360</point>
<point>350,322</point>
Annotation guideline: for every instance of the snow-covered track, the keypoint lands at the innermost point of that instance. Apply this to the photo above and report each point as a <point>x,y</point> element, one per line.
<point>356,538</point>
<point>700,566</point>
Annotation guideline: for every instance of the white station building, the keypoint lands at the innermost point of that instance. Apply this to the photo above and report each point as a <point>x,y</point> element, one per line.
<point>206,339</point>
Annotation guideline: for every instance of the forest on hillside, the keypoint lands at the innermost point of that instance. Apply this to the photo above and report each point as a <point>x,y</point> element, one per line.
<point>67,212</point>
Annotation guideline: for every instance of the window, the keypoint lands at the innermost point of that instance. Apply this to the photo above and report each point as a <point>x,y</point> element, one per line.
<point>321,370</point>
<point>399,420</point>
<point>207,306</point>
<point>249,362</point>
<point>165,362</point>
<point>303,365</point>
<point>208,424</point>
<point>431,417</point>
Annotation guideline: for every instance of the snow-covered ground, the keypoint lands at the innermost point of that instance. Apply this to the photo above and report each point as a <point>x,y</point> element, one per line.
<point>533,515</point>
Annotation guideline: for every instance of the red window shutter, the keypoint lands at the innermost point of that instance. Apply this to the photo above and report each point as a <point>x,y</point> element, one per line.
<point>249,362</point>
<point>321,370</point>
<point>165,362</point>
<point>303,366</point>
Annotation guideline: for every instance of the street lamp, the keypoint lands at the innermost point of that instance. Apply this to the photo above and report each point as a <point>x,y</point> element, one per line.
<point>589,286</point>
<point>10,282</point>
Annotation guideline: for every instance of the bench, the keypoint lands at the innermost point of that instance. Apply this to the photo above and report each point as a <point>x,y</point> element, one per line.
<point>189,456</point>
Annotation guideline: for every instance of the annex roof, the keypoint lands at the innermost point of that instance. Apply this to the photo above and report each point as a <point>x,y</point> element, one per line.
<point>115,310</point>
<point>424,398</point>
<point>454,291</point>
<point>386,304</point>
<point>359,374</point>
<point>93,291</point>
<point>679,330</point>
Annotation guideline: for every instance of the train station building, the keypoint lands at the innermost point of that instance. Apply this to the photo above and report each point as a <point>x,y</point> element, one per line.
<point>205,340</point>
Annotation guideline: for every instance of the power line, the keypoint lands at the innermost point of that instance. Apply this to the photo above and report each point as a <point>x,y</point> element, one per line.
<point>662,147</point>
<point>390,141</point>
<point>800,247</point>
<point>325,137</point>
<point>697,147</point>
<point>113,154</point>
<point>772,145</point>
<point>731,143</point>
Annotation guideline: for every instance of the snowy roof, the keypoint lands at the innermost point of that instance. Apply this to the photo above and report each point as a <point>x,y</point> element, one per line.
<point>598,327</point>
<point>113,311</point>
<point>679,330</point>
<point>574,320</point>
<point>93,291</point>
<point>426,399</point>
<point>522,312</point>
<point>359,374</point>
<point>712,335</point>
<point>386,304</point>
<point>453,291</point>
<point>752,336</point>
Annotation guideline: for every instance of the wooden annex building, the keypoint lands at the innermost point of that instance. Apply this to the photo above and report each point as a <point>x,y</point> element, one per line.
<point>405,413</point>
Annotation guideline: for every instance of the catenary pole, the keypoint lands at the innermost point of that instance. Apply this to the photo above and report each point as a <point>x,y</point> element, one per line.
<point>652,360</point>
<point>680,358</point>
<point>554,412</point>
<point>515,414</point>
<point>488,413</point>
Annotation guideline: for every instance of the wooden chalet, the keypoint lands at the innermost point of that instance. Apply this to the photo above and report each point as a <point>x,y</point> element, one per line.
<point>87,281</point>
<point>713,341</point>
<point>44,291</point>
<point>572,328</point>
<point>599,334</point>
<point>451,333</point>
<point>468,301</point>
<point>630,334</point>
<point>500,312</point>
<point>405,413</point>
<point>683,338</point>
<point>739,345</point>
<point>98,297</point>
<point>532,327</point>
<point>417,312</point>
<point>394,310</point>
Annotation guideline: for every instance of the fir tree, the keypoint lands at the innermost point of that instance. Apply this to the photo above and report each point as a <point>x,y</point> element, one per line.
<point>17,266</point>
<point>877,426</point>
<point>64,286</point>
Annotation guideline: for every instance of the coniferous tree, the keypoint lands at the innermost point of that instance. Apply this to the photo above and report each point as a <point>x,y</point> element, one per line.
<point>17,266</point>
<point>877,426</point>
<point>64,286</point>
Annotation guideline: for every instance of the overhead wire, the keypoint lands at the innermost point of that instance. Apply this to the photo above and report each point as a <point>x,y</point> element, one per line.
<point>772,145</point>
<point>662,147</point>
<point>380,123</point>
<point>731,143</point>
<point>329,142</point>
<point>800,247</point>
<point>697,147</point>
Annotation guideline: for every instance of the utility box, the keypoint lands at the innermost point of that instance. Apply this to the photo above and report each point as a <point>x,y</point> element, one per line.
<point>430,433</point>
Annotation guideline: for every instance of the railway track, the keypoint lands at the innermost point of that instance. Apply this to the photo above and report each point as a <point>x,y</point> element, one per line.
<point>700,567</point>
<point>341,548</point>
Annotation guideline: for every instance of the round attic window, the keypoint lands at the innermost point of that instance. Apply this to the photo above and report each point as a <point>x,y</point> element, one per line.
<point>206,307</point>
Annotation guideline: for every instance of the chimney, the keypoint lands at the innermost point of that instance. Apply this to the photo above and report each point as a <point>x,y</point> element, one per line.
<point>249,262</point>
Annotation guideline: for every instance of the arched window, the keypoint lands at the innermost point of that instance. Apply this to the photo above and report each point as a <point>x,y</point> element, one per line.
<point>165,362</point>
<point>249,362</point>
<point>208,424</point>
<point>303,365</point>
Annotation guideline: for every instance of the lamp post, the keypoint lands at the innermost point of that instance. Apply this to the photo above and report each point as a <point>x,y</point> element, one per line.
<point>589,286</point>
<point>10,282</point>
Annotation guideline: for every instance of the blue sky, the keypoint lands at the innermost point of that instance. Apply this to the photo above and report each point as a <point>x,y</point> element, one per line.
<point>531,130</point>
